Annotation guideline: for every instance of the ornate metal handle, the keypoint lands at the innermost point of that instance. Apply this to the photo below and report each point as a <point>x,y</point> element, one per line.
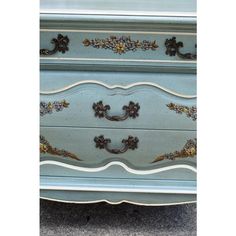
<point>129,143</point>
<point>60,45</point>
<point>172,48</point>
<point>130,111</point>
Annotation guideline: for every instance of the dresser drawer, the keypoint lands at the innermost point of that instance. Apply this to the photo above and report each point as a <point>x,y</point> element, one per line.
<point>127,35</point>
<point>153,103</point>
<point>120,48</point>
<point>138,149</point>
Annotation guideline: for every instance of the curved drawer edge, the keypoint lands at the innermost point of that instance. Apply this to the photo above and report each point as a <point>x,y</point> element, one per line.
<point>121,164</point>
<point>118,202</point>
<point>126,87</point>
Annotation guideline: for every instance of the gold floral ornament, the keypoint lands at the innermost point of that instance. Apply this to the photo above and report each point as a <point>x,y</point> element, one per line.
<point>121,45</point>
<point>48,108</point>
<point>190,112</point>
<point>45,147</point>
<point>120,48</point>
<point>189,150</point>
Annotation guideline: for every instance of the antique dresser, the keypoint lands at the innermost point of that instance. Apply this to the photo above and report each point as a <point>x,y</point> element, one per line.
<point>118,101</point>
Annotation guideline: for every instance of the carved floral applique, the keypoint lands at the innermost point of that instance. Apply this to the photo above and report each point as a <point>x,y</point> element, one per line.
<point>45,147</point>
<point>121,44</point>
<point>191,112</point>
<point>189,150</point>
<point>47,108</point>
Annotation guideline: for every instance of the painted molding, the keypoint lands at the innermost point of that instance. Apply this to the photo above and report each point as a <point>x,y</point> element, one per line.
<point>118,163</point>
<point>112,185</point>
<point>119,32</point>
<point>117,203</point>
<point>114,189</point>
<point>125,87</point>
<point>118,60</point>
<point>117,12</point>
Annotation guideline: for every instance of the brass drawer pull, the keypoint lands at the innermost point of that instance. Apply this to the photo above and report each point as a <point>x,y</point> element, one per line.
<point>130,111</point>
<point>60,45</point>
<point>172,49</point>
<point>129,143</point>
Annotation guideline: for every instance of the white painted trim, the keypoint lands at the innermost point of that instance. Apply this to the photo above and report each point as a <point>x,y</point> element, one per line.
<point>125,87</point>
<point>118,32</point>
<point>118,163</point>
<point>116,203</point>
<point>114,189</point>
<point>116,60</point>
<point>117,13</point>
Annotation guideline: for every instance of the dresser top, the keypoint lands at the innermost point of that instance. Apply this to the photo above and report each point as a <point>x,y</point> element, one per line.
<point>169,8</point>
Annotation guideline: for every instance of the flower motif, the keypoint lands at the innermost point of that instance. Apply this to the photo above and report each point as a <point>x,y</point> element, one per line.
<point>189,150</point>
<point>47,108</point>
<point>120,45</point>
<point>190,112</point>
<point>101,142</point>
<point>119,48</point>
<point>131,142</point>
<point>132,109</point>
<point>62,43</point>
<point>45,147</point>
<point>100,109</point>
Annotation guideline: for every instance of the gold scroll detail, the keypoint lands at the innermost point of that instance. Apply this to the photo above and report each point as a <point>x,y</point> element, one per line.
<point>45,147</point>
<point>189,150</point>
<point>190,112</point>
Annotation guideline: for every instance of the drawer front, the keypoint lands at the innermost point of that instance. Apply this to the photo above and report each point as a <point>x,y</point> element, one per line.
<point>146,104</point>
<point>120,48</point>
<point>139,150</point>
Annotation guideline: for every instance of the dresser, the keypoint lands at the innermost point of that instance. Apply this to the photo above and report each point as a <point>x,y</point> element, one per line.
<point>118,101</point>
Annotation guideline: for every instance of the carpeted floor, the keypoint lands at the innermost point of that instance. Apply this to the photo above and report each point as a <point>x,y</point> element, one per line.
<point>61,219</point>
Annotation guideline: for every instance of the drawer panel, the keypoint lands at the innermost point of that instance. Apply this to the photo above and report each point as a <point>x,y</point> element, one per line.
<point>120,48</point>
<point>138,152</point>
<point>96,103</point>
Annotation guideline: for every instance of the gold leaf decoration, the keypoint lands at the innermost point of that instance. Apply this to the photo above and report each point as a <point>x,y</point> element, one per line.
<point>121,45</point>
<point>190,112</point>
<point>45,147</point>
<point>48,108</point>
<point>189,150</point>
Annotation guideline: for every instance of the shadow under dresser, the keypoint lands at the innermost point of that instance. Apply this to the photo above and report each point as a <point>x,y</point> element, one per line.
<point>118,101</point>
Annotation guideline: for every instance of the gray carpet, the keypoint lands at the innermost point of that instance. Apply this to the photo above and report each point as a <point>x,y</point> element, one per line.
<point>61,219</point>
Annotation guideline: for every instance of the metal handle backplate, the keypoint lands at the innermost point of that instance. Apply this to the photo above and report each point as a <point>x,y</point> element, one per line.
<point>129,143</point>
<point>101,111</point>
<point>60,45</point>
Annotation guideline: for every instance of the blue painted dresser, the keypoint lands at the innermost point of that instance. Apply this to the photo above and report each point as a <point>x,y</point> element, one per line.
<point>118,101</point>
